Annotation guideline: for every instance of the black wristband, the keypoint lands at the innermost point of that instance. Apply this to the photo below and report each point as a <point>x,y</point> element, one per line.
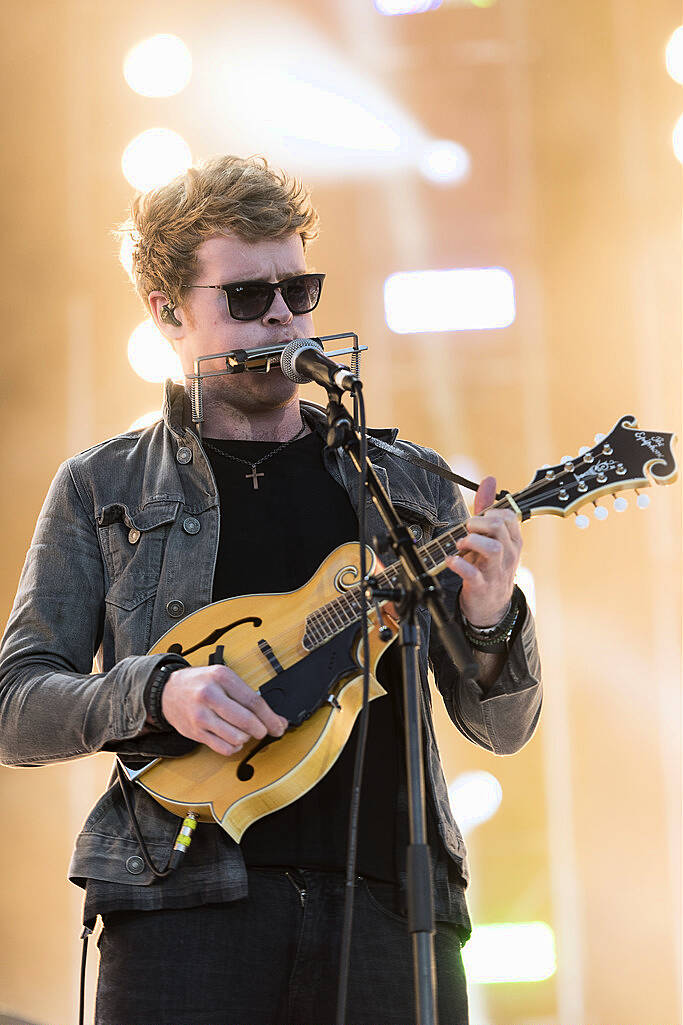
<point>153,692</point>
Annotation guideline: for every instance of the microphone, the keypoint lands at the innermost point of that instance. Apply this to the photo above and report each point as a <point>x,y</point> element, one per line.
<point>303,360</point>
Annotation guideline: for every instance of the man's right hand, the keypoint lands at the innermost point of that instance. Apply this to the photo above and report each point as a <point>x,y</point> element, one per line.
<point>213,705</point>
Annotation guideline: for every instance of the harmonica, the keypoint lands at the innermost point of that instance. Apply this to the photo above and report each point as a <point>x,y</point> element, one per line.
<point>261,360</point>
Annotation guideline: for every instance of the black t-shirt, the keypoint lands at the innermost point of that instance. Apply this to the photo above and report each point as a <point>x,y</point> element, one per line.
<point>272,540</point>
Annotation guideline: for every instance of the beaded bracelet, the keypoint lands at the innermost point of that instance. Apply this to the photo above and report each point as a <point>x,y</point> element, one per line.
<point>493,639</point>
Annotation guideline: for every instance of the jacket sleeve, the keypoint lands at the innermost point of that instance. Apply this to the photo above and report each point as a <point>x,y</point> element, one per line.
<point>52,707</point>
<point>503,718</point>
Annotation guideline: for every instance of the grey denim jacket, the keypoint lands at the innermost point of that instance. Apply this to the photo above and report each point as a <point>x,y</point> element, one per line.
<point>125,545</point>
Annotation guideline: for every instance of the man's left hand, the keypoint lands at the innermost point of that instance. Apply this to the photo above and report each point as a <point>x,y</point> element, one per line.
<point>488,558</point>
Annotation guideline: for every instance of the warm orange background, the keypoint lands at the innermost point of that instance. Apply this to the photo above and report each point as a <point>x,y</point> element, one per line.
<point>567,111</point>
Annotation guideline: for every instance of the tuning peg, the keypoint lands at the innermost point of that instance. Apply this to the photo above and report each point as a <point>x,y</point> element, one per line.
<point>582,521</point>
<point>566,459</point>
<point>600,512</point>
<point>599,438</point>
<point>620,503</point>
<point>583,450</point>
<point>643,501</point>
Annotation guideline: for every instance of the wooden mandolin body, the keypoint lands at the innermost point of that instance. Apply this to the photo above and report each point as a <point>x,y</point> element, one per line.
<point>208,783</point>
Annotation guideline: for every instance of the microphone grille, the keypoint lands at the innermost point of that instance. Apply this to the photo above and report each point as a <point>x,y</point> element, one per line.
<point>289,354</point>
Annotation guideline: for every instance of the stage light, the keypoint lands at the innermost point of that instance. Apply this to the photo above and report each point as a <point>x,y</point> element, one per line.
<point>344,122</point>
<point>146,420</point>
<point>151,355</point>
<point>510,952</point>
<point>463,299</point>
<point>678,139</point>
<point>444,162</point>
<point>392,7</point>
<point>524,578</point>
<point>333,119</point>
<point>159,66</point>
<point>674,55</point>
<point>155,157</point>
<point>474,797</point>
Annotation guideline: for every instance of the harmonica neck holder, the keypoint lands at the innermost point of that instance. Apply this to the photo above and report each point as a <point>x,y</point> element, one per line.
<point>260,360</point>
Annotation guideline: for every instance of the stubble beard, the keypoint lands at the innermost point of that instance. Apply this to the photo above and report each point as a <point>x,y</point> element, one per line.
<point>248,394</point>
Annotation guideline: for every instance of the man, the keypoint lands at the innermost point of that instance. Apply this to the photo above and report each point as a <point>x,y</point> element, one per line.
<point>142,530</point>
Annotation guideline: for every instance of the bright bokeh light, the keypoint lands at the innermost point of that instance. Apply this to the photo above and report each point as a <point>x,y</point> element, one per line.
<point>474,797</point>
<point>151,356</point>
<point>146,420</point>
<point>674,55</point>
<point>159,66</point>
<point>464,299</point>
<point>155,157</point>
<point>295,95</point>
<point>510,952</point>
<point>468,468</point>
<point>406,6</point>
<point>126,253</point>
<point>341,121</point>
<point>678,139</point>
<point>525,579</point>
<point>444,162</point>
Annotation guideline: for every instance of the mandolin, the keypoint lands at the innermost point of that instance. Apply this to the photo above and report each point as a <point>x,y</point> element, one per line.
<point>301,649</point>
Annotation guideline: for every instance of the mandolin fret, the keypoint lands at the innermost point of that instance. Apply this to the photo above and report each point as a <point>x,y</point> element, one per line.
<point>334,615</point>
<point>330,619</point>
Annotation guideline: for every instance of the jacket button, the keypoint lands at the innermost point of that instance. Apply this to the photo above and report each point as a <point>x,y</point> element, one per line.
<point>175,609</point>
<point>135,865</point>
<point>133,535</point>
<point>416,531</point>
<point>184,455</point>
<point>191,525</point>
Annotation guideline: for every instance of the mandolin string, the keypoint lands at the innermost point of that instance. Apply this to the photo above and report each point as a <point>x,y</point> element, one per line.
<point>320,619</point>
<point>335,615</point>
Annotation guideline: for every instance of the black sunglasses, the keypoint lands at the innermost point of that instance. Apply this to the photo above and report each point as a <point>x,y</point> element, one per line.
<point>250,300</point>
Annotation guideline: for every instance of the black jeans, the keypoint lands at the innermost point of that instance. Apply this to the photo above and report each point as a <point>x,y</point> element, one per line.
<point>271,959</point>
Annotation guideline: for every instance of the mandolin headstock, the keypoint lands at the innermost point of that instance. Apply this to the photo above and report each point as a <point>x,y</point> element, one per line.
<point>628,457</point>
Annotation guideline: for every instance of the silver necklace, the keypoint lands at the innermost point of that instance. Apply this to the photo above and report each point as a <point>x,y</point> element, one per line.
<point>253,476</point>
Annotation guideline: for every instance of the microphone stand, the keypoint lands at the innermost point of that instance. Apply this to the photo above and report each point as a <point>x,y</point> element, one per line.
<point>418,588</point>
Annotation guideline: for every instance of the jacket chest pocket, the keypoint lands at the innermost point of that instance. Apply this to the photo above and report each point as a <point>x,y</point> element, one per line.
<point>133,548</point>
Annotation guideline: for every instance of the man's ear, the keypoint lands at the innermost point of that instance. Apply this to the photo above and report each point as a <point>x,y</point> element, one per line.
<point>167,316</point>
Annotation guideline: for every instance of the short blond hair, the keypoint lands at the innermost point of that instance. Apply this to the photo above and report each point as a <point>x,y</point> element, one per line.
<point>223,195</point>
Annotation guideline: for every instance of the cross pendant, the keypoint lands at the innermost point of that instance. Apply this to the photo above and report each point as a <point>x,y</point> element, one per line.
<point>254,475</point>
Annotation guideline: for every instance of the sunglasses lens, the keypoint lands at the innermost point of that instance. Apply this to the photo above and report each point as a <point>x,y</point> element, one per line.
<point>302,294</point>
<point>248,302</point>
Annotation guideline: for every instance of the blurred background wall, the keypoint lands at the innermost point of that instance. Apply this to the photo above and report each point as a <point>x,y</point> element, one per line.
<point>555,163</point>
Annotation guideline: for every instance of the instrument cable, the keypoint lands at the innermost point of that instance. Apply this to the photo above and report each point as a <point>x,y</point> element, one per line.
<point>174,860</point>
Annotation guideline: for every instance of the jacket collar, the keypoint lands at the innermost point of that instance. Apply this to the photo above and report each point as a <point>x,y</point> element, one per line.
<point>177,408</point>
